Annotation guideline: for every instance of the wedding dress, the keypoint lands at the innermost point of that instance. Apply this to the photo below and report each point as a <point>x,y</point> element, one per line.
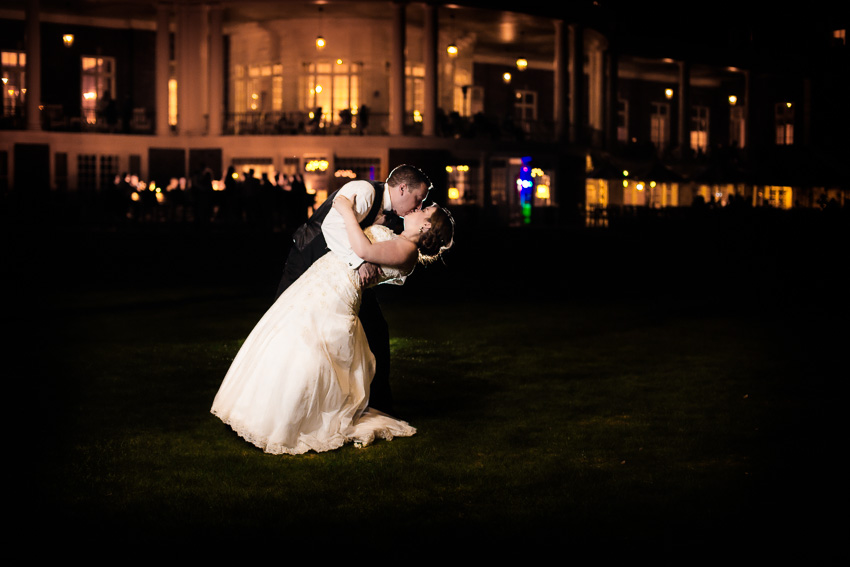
<point>301,380</point>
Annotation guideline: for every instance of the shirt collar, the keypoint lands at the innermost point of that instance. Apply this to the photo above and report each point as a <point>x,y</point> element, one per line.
<point>387,204</point>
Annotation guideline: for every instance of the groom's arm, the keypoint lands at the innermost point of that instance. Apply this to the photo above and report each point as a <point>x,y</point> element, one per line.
<point>362,194</point>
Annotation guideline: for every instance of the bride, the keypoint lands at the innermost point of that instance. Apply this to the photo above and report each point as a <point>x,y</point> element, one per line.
<point>301,380</point>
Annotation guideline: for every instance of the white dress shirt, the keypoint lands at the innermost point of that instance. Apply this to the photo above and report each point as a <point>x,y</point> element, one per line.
<point>363,194</point>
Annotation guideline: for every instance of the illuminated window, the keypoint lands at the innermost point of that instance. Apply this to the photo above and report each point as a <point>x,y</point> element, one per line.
<point>541,188</point>
<point>662,194</point>
<point>699,129</point>
<point>461,81</point>
<point>660,125</point>
<point>239,89</point>
<point>784,120</point>
<point>331,88</point>
<point>622,120</point>
<point>839,37</point>
<point>525,105</point>
<point>460,189</point>
<point>778,196</point>
<point>98,87</point>
<point>14,81</point>
<point>172,102</point>
<point>737,129</point>
<point>414,90</point>
<point>277,88</point>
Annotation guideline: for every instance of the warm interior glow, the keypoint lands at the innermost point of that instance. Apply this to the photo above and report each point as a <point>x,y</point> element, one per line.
<point>542,191</point>
<point>320,43</point>
<point>668,93</point>
<point>506,77</point>
<point>452,50</point>
<point>68,39</point>
<point>521,63</point>
<point>172,102</point>
<point>317,165</point>
<point>454,193</point>
<point>733,100</point>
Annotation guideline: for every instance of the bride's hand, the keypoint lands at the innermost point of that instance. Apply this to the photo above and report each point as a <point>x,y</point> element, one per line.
<point>341,203</point>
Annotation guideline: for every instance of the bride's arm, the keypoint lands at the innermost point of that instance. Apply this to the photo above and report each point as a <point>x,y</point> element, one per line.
<point>395,252</point>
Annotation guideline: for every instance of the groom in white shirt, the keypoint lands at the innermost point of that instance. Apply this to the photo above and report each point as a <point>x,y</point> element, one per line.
<point>405,190</point>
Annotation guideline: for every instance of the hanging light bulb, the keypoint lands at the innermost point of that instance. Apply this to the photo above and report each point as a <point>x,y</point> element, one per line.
<point>320,40</point>
<point>452,49</point>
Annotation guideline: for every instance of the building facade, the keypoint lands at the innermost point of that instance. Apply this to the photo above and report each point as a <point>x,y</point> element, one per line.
<point>542,117</point>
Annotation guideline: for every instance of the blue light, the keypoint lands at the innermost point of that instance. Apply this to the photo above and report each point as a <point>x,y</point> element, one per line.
<point>525,184</point>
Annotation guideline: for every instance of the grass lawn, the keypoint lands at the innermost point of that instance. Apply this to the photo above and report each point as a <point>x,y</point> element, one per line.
<point>586,392</point>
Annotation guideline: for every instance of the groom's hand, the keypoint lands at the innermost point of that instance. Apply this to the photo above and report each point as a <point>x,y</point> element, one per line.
<point>369,274</point>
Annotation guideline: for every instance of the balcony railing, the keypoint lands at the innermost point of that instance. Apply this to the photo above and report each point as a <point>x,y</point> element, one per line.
<point>297,123</point>
<point>54,119</point>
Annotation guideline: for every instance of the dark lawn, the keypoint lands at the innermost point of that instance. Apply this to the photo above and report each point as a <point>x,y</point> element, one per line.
<point>666,392</point>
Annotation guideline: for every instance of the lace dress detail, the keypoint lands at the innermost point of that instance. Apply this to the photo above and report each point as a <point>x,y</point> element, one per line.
<point>301,380</point>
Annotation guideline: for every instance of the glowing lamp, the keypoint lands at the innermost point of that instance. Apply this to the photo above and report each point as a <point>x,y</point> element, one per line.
<point>68,39</point>
<point>733,100</point>
<point>668,93</point>
<point>454,193</point>
<point>320,43</point>
<point>542,191</point>
<point>452,50</point>
<point>317,165</point>
<point>506,77</point>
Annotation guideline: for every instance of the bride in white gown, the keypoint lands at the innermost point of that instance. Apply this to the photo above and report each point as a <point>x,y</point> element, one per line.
<point>301,380</point>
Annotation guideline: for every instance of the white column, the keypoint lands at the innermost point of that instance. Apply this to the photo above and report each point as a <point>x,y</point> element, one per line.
<point>397,70</point>
<point>683,141</point>
<point>429,127</point>
<point>33,48</point>
<point>216,73</point>
<point>577,104</point>
<point>191,73</point>
<point>562,82</point>
<point>162,67</point>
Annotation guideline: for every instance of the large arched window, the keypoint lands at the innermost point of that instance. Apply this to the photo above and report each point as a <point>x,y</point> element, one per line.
<point>98,87</point>
<point>331,90</point>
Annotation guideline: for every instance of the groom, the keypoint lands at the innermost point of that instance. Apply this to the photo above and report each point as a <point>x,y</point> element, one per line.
<point>374,202</point>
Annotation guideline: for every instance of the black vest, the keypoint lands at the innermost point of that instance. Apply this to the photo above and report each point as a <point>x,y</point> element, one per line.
<point>310,241</point>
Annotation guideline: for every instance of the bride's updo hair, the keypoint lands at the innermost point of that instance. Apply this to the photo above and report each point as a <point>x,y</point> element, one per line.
<point>438,238</point>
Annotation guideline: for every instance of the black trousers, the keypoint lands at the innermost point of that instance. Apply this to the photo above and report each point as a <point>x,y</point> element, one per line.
<point>374,325</point>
